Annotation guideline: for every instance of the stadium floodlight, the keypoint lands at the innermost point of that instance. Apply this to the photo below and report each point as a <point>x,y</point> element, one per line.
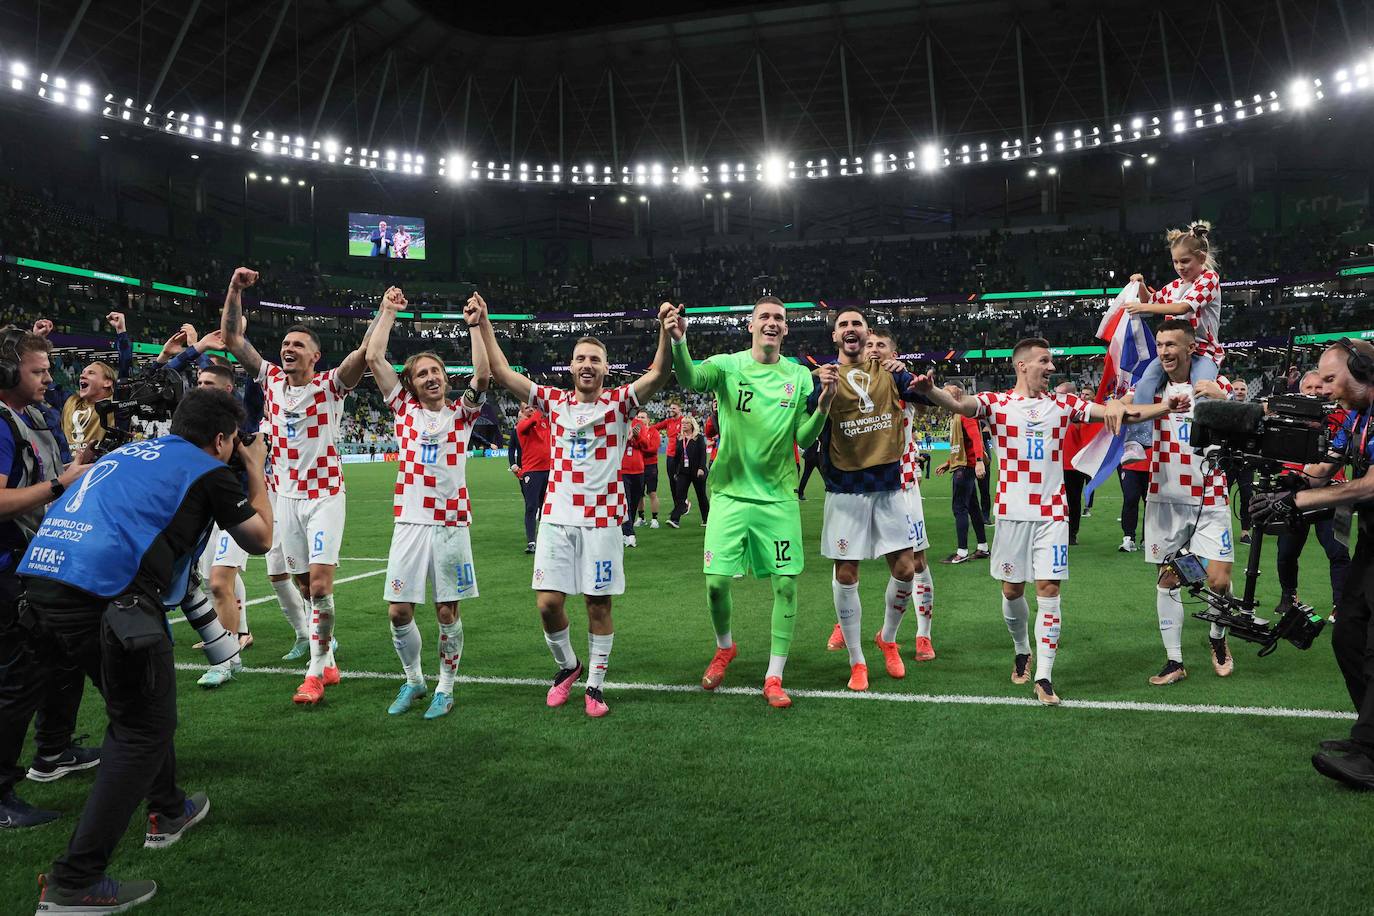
<point>1125,163</point>
<point>17,68</point>
<point>689,177</point>
<point>301,182</point>
<point>726,195</point>
<point>285,179</point>
<point>104,136</point>
<point>331,146</point>
<point>1031,173</point>
<point>622,198</point>
<point>930,158</point>
<point>1052,171</point>
<point>253,175</point>
<point>195,155</point>
<point>643,199</point>
<point>774,171</point>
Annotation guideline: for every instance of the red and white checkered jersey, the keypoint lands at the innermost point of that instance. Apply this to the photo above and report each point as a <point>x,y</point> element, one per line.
<point>1203,297</point>
<point>910,477</point>
<point>1176,473</point>
<point>305,426</point>
<point>432,446</point>
<point>588,445</point>
<point>1028,435</point>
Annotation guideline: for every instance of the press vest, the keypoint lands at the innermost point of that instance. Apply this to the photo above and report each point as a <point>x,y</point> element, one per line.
<point>866,418</point>
<point>95,536</point>
<point>38,457</point>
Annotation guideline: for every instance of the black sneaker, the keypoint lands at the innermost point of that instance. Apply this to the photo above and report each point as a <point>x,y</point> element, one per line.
<point>956,558</point>
<point>15,813</point>
<point>105,896</point>
<point>1339,746</point>
<point>71,760</point>
<point>672,523</point>
<point>164,831</point>
<point>529,548</point>
<point>1245,537</point>
<point>1171,673</point>
<point>981,554</point>
<point>1044,692</point>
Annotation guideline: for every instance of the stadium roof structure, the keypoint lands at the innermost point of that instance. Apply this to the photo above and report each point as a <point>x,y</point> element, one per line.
<point>698,83</point>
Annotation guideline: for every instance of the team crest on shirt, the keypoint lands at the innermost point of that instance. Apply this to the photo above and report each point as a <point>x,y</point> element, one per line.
<point>397,584</point>
<point>539,575</point>
<point>789,389</point>
<point>1008,569</point>
<point>707,557</point>
<point>842,545</point>
<point>1154,550</point>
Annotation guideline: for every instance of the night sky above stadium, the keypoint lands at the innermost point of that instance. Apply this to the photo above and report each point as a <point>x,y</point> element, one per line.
<point>546,18</point>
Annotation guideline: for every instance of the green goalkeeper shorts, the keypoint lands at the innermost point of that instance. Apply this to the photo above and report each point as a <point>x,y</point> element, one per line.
<point>763,537</point>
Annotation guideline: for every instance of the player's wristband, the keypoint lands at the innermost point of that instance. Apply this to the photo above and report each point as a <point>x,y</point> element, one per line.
<point>680,343</point>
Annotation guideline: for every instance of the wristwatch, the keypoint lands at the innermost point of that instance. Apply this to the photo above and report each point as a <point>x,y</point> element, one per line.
<point>58,488</point>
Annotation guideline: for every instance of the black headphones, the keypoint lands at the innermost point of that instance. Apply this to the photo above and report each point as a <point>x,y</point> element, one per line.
<point>9,356</point>
<point>1360,365</point>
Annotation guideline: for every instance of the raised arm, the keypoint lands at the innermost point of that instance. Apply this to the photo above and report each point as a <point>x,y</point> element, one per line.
<point>231,322</point>
<point>377,339</point>
<point>828,377</point>
<point>654,381</point>
<point>124,350</point>
<point>697,378</point>
<point>964,404</point>
<point>473,313</point>
<point>501,371</point>
<point>352,366</point>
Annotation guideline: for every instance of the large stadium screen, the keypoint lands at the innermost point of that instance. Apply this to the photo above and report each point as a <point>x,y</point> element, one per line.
<point>385,235</point>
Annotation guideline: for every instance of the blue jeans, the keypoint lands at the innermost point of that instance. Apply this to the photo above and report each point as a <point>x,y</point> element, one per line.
<point>1204,369</point>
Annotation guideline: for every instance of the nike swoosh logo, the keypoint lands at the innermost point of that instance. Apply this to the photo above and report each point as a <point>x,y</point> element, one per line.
<point>788,616</point>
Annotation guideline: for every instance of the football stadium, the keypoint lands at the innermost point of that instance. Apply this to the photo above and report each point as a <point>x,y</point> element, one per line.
<point>845,363</point>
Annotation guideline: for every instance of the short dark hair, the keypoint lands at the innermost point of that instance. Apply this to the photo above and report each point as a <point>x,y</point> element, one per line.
<point>223,373</point>
<point>1176,324</point>
<point>206,413</point>
<point>1028,343</point>
<point>305,329</point>
<point>26,341</point>
<point>835,318</point>
<point>885,333</point>
<point>768,300</point>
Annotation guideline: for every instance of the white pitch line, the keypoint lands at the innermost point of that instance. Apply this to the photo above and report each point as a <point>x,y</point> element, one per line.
<point>950,699</point>
<point>266,598</point>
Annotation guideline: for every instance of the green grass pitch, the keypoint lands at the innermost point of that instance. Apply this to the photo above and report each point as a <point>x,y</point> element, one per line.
<point>714,804</point>
<point>363,249</point>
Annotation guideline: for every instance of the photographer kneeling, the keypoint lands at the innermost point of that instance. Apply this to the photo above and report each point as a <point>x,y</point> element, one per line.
<point>1347,376</point>
<point>108,560</point>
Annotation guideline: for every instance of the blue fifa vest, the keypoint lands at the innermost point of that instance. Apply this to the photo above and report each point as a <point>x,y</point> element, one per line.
<point>95,535</point>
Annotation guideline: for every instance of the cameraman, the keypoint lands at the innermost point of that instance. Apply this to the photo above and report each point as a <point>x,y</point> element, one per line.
<point>1291,541</point>
<point>31,476</point>
<point>155,500</point>
<point>1346,372</point>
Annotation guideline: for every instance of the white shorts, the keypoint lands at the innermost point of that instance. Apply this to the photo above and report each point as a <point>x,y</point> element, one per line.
<point>865,526</point>
<point>424,554</point>
<point>226,551</point>
<point>1171,527</point>
<point>579,561</point>
<point>1025,551</point>
<point>311,531</point>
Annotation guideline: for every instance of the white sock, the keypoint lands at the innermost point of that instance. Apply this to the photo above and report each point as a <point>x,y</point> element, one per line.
<point>450,653</point>
<point>850,613</point>
<point>1218,631</point>
<point>408,642</point>
<point>963,551</point>
<point>321,632</point>
<point>560,644</point>
<point>924,591</point>
<point>1017,615</point>
<point>898,597</point>
<point>983,546</point>
<point>1170,610</point>
<point>292,606</point>
<point>775,665</point>
<point>1046,637</point>
<point>724,640</point>
<point>598,658</point>
<point>241,597</point>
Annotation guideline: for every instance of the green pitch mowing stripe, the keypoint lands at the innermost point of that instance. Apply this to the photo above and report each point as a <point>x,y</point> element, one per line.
<point>938,698</point>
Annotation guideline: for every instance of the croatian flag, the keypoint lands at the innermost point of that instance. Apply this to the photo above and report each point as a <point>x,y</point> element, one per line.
<point>1130,348</point>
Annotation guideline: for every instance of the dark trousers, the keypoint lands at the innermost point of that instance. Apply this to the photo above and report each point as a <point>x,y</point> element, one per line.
<point>1073,492</point>
<point>810,459</point>
<point>634,492</point>
<point>33,683</point>
<point>1244,481</point>
<point>1352,638</point>
<point>137,759</point>
<point>966,508</point>
<point>924,461</point>
<point>532,485</point>
<point>1134,485</point>
<point>1291,544</point>
<point>682,485</point>
<point>984,492</point>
